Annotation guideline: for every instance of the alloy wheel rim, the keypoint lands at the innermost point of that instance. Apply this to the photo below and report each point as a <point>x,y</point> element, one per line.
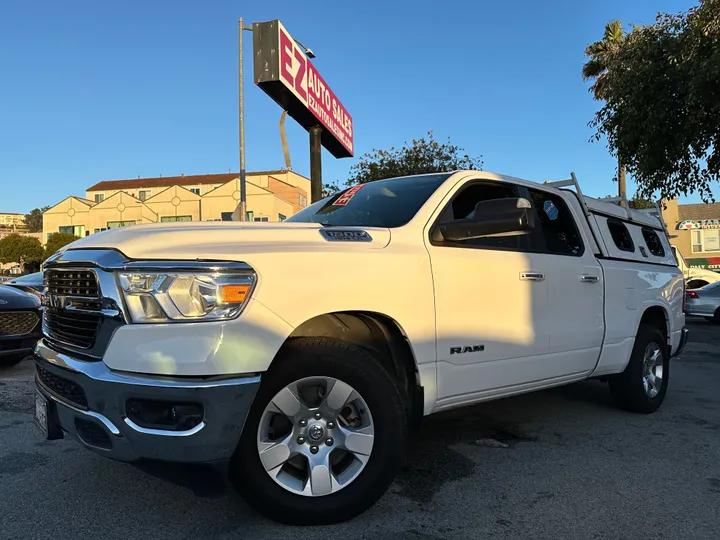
<point>652,370</point>
<point>315,436</point>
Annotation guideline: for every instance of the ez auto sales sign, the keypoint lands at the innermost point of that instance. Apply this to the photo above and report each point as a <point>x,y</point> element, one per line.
<point>285,73</point>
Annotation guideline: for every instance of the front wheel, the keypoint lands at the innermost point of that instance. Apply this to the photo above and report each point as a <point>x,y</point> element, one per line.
<point>642,386</point>
<point>325,436</point>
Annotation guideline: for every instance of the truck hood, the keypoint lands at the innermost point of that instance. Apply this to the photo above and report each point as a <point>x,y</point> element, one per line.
<point>228,240</point>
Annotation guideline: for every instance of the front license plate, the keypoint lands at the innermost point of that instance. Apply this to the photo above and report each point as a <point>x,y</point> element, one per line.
<point>41,413</point>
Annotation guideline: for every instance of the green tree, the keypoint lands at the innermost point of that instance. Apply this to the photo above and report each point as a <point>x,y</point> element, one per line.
<point>596,70</point>
<point>661,114</point>
<point>640,203</point>
<point>57,241</point>
<point>34,220</point>
<point>20,249</point>
<point>424,155</point>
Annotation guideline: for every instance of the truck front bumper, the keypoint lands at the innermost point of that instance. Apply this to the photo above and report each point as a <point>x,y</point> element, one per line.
<point>105,410</point>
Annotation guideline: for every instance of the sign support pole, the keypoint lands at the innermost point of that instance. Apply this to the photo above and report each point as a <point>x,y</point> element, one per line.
<point>241,123</point>
<point>315,164</point>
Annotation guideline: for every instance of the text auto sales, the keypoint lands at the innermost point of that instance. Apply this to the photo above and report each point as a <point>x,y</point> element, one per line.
<point>298,73</point>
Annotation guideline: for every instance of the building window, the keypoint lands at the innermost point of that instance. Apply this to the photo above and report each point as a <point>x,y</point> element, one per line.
<point>118,224</point>
<point>281,217</point>
<point>195,190</point>
<point>97,230</point>
<point>75,230</point>
<point>249,215</point>
<point>175,218</point>
<point>263,218</point>
<point>302,199</point>
<point>99,197</point>
<point>226,216</point>
<point>144,194</point>
<point>705,240</point>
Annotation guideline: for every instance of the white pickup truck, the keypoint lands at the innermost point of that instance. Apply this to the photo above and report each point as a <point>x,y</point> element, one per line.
<point>302,352</point>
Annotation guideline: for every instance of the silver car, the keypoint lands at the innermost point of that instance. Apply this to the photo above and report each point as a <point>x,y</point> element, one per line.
<point>704,302</point>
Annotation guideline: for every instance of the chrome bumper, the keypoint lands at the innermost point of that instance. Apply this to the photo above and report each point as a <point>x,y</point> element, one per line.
<point>89,402</point>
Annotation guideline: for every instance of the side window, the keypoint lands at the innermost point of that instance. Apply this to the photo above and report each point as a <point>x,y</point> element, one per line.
<point>620,235</point>
<point>463,207</point>
<point>557,224</point>
<point>653,242</point>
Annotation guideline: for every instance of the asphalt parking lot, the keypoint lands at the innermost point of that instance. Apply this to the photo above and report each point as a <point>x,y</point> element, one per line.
<point>558,464</point>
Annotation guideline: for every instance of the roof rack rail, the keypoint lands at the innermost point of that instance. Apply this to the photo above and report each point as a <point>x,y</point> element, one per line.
<point>571,182</point>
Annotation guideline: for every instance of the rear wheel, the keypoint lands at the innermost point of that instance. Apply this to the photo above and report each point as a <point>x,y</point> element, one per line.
<point>11,360</point>
<point>325,436</point>
<point>642,386</point>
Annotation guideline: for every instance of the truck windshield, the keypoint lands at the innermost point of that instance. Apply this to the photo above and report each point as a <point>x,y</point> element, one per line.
<point>383,203</point>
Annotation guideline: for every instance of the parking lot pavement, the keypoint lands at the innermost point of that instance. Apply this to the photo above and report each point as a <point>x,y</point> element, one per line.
<point>556,464</point>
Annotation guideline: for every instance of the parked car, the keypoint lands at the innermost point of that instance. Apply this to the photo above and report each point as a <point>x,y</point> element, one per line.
<point>31,283</point>
<point>20,326</point>
<point>695,278</point>
<point>304,351</point>
<point>705,302</point>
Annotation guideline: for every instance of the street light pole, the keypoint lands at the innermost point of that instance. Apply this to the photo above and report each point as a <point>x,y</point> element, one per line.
<point>241,122</point>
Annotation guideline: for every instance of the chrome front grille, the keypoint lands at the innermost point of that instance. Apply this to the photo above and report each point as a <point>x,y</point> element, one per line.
<point>77,283</point>
<point>17,323</point>
<point>71,328</point>
<point>73,307</point>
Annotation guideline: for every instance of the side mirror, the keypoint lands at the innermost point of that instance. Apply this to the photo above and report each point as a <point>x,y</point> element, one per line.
<point>497,217</point>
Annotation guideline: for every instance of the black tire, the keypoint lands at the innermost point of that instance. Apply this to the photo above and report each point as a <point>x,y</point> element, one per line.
<point>715,319</point>
<point>11,360</point>
<point>306,357</point>
<point>627,388</point>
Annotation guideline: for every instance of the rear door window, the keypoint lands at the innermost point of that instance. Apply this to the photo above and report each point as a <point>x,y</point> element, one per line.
<point>557,224</point>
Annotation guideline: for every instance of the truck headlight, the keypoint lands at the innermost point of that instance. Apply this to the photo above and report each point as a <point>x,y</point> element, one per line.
<point>156,297</point>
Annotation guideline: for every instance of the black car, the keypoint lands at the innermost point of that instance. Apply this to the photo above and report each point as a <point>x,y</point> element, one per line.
<point>20,326</point>
<point>31,283</point>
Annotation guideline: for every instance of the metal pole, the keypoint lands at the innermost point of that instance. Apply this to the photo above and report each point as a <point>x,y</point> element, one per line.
<point>315,164</point>
<point>621,183</point>
<point>241,113</point>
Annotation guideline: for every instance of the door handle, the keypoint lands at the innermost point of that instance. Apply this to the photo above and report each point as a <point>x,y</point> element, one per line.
<point>532,276</point>
<point>585,278</point>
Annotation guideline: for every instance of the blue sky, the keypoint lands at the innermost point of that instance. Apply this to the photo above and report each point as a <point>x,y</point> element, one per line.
<point>93,90</point>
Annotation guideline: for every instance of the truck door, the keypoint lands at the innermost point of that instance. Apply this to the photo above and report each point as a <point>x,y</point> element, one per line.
<point>491,303</point>
<point>576,287</point>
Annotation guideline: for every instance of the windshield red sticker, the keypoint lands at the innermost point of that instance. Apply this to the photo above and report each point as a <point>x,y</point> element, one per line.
<point>343,199</point>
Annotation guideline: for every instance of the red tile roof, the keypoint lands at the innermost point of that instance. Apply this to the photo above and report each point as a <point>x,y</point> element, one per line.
<point>167,181</point>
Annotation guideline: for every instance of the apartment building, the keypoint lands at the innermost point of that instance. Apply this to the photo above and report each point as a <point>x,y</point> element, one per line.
<point>271,196</point>
<point>11,220</point>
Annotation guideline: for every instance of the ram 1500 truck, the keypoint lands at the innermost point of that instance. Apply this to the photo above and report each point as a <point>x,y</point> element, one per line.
<point>301,353</point>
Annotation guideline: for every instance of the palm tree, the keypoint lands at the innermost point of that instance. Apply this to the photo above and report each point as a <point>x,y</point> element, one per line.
<point>596,68</point>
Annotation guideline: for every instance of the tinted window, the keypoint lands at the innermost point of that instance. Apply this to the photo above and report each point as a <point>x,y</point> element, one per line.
<point>383,203</point>
<point>653,242</point>
<point>463,207</point>
<point>557,224</point>
<point>620,235</point>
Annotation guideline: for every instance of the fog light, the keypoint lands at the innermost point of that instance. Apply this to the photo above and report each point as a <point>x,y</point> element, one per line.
<point>164,415</point>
